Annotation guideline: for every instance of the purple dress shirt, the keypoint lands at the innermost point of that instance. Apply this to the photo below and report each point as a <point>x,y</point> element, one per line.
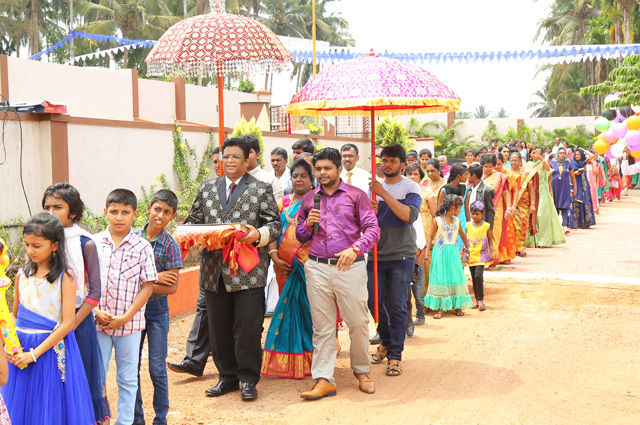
<point>347,219</point>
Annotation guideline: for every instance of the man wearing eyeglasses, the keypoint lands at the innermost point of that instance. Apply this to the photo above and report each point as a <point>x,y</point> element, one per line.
<point>351,174</point>
<point>235,299</point>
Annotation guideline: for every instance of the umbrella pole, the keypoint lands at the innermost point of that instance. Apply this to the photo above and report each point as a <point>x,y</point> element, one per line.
<point>220,115</point>
<point>376,308</point>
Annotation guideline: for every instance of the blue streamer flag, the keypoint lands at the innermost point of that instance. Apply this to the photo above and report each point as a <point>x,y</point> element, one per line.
<point>552,54</point>
<point>94,37</point>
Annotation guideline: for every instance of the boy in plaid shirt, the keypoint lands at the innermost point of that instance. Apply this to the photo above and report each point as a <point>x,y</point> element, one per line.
<point>127,272</point>
<point>162,209</point>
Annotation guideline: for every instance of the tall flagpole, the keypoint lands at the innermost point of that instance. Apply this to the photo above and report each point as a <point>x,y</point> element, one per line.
<point>313,35</point>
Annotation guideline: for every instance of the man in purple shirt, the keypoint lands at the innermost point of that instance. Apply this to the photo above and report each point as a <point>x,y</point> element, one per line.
<point>336,272</point>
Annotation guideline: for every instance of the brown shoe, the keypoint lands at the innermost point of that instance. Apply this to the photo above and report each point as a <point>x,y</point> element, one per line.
<point>322,388</point>
<point>365,382</point>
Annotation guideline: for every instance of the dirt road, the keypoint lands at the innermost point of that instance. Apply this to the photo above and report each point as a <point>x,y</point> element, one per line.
<point>544,352</point>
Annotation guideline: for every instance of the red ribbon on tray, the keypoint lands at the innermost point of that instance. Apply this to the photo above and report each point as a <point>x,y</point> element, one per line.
<point>234,252</point>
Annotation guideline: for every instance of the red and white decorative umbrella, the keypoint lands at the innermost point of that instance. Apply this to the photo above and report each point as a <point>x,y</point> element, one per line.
<point>217,43</point>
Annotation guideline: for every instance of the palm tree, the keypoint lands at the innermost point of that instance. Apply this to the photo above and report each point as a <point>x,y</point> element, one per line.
<point>502,113</point>
<point>567,23</point>
<point>414,128</point>
<point>134,18</point>
<point>545,107</point>
<point>449,141</point>
<point>14,26</point>
<point>482,112</point>
<point>286,17</point>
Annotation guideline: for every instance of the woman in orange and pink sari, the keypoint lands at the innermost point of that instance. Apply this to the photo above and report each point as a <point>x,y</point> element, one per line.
<point>499,182</point>
<point>508,249</point>
<point>525,201</point>
<point>288,349</point>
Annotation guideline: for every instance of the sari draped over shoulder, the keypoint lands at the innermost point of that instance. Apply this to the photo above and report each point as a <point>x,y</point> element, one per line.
<point>288,349</point>
<point>547,230</point>
<point>499,183</point>
<point>429,190</point>
<point>522,216</point>
<point>288,246</point>
<point>509,248</point>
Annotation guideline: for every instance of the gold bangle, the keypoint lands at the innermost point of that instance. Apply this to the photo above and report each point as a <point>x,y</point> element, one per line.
<point>272,251</point>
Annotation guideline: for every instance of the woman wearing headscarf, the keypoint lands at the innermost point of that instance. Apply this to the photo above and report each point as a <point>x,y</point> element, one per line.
<point>562,177</point>
<point>581,215</point>
<point>592,169</point>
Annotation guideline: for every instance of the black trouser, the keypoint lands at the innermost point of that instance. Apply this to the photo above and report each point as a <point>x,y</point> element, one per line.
<point>478,281</point>
<point>235,324</point>
<point>199,342</point>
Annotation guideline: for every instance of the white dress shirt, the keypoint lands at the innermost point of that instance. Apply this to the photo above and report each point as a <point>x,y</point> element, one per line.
<point>359,178</point>
<point>228,183</point>
<point>284,179</point>
<point>265,176</point>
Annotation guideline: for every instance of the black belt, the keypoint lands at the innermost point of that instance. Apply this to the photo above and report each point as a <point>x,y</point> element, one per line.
<point>333,261</point>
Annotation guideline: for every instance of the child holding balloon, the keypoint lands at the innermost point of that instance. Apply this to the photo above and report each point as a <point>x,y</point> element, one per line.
<point>53,387</point>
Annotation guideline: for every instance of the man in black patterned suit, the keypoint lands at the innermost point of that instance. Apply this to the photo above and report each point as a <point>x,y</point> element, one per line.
<point>236,304</point>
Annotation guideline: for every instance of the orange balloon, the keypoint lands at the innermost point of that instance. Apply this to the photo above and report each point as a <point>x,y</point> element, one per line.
<point>601,147</point>
<point>635,154</point>
<point>633,122</point>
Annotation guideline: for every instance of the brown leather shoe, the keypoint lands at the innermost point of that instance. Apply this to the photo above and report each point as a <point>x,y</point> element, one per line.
<point>365,382</point>
<point>322,388</point>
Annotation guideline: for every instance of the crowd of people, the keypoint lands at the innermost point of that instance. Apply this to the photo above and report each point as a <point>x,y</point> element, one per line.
<point>318,223</point>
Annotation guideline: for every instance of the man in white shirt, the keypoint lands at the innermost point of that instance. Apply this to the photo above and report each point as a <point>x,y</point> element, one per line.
<point>279,160</point>
<point>257,172</point>
<point>554,150</point>
<point>350,173</point>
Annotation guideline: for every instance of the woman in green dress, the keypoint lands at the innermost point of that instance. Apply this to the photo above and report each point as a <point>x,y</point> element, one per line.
<point>548,229</point>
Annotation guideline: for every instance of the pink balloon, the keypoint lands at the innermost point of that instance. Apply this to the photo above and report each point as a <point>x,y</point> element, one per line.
<point>609,155</point>
<point>618,117</point>
<point>609,136</point>
<point>619,130</point>
<point>633,140</point>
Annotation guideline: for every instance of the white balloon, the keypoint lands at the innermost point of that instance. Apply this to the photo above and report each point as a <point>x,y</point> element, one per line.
<point>635,108</point>
<point>617,150</point>
<point>610,98</point>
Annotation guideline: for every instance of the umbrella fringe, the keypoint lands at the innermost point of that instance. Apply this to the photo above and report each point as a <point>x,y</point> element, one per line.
<point>362,107</point>
<point>162,68</point>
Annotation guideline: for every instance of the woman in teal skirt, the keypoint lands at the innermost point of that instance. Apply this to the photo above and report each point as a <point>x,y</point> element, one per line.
<point>447,283</point>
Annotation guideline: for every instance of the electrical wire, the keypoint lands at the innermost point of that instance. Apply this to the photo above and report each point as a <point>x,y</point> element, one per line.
<point>26,198</point>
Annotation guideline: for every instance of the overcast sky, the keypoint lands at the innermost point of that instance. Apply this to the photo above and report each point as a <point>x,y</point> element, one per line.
<point>459,25</point>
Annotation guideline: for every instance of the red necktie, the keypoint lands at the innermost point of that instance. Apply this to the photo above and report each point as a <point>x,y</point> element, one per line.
<point>231,187</point>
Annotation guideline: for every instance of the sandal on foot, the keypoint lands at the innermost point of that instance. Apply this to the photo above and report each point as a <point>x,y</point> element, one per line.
<point>521,254</point>
<point>482,306</point>
<point>438,315</point>
<point>379,355</point>
<point>393,368</point>
<point>475,305</point>
<point>459,312</point>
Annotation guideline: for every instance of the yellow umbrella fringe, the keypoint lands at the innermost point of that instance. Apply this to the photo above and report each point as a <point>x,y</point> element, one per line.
<point>408,106</point>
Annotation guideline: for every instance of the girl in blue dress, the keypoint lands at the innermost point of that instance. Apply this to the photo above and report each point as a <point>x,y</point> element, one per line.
<point>447,283</point>
<point>63,200</point>
<point>47,382</point>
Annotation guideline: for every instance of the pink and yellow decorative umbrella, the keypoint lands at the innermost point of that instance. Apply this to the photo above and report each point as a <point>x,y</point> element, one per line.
<point>217,43</point>
<point>368,84</point>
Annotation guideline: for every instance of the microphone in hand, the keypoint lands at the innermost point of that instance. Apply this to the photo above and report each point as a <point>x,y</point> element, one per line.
<point>316,205</point>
